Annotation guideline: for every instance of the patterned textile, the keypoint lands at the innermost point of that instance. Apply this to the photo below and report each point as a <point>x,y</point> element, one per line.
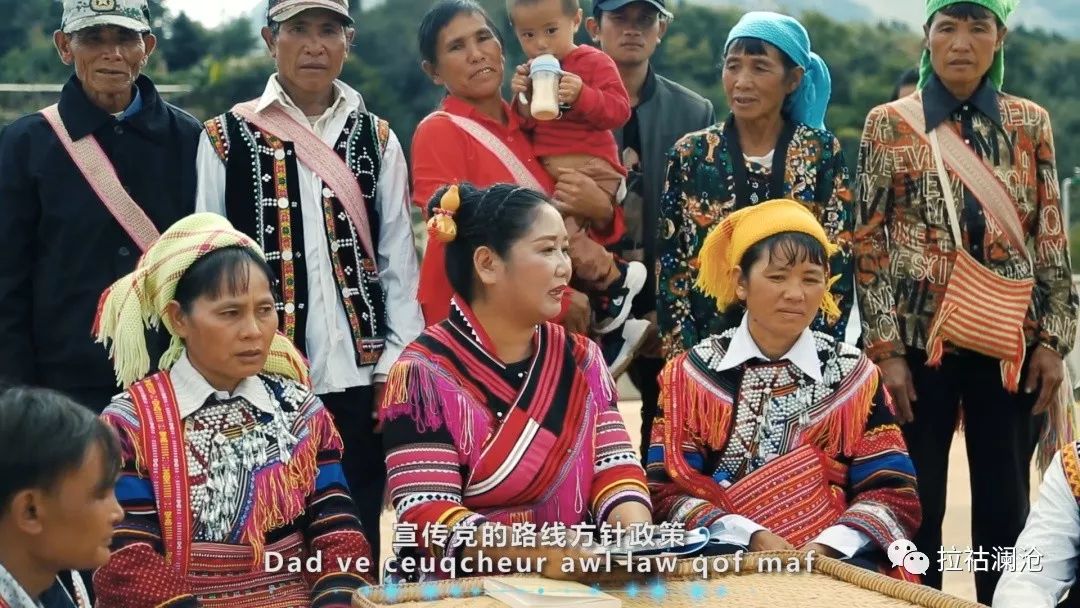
<point>726,425</point>
<point>1070,463</point>
<point>263,200</point>
<point>469,439</point>
<point>704,186</point>
<point>256,482</point>
<point>903,244</point>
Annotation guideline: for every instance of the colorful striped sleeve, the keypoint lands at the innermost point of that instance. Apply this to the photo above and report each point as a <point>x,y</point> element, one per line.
<point>333,526</point>
<point>670,502</point>
<point>424,470</point>
<point>882,491</point>
<point>136,574</point>
<point>617,474</point>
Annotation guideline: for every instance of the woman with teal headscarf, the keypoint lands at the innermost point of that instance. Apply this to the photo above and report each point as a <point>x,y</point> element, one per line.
<point>772,145</point>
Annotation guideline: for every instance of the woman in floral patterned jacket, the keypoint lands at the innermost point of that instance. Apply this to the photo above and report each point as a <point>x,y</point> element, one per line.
<point>773,145</point>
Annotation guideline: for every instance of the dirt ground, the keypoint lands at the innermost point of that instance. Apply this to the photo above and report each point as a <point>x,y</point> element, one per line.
<point>956,530</point>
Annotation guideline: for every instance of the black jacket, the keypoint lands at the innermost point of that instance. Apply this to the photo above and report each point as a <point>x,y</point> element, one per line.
<point>666,111</point>
<point>61,246</point>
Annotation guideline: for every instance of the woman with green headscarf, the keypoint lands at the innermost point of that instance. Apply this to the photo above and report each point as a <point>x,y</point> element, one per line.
<point>964,276</point>
<point>231,465</point>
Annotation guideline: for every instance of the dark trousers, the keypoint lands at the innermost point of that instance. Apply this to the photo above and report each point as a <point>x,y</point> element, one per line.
<point>644,373</point>
<point>363,461</point>
<point>1001,435</point>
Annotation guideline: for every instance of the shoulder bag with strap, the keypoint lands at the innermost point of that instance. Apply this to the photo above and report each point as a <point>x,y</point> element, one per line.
<point>981,310</point>
<point>101,175</point>
<point>521,174</point>
<point>318,156</point>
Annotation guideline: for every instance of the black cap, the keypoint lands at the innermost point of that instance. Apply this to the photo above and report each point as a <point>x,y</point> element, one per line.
<point>614,5</point>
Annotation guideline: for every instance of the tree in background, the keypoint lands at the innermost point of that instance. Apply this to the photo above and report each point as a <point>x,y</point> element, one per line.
<point>186,43</point>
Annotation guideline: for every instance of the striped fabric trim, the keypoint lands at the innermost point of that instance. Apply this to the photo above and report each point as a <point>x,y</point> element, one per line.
<point>1070,463</point>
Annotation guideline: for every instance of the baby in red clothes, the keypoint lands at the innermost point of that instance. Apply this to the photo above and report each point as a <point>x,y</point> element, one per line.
<point>594,101</point>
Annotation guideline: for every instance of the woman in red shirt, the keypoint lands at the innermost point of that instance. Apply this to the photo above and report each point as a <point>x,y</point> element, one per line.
<point>475,137</point>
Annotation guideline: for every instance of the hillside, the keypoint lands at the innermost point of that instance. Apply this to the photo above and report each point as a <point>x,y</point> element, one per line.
<point>1057,16</point>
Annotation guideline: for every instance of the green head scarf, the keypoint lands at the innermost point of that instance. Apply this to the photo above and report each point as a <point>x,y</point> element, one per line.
<point>1001,8</point>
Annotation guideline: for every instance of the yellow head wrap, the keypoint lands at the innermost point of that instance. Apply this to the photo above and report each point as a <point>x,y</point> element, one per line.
<point>727,243</point>
<point>138,300</point>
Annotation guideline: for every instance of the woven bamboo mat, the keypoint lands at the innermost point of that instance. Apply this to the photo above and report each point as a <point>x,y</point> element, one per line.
<point>828,584</point>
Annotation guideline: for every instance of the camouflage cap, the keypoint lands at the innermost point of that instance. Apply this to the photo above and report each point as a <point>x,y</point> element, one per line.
<point>283,10</point>
<point>81,14</point>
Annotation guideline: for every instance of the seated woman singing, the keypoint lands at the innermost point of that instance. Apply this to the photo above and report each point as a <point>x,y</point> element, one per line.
<point>496,416</point>
<point>773,435</point>
<point>232,467</point>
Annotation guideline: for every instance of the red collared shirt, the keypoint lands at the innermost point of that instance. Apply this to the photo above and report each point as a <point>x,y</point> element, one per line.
<point>444,154</point>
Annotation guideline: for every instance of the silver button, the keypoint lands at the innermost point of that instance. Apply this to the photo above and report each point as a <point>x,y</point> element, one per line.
<point>279,154</point>
<point>290,308</point>
<point>334,246</point>
<point>345,292</point>
<point>521,375</point>
<point>286,255</point>
<point>966,107</point>
<point>327,193</point>
<point>283,202</point>
<point>498,414</point>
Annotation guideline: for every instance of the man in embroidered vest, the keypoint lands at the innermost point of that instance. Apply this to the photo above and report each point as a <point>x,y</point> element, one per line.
<point>1047,553</point>
<point>65,237</point>
<point>322,185</point>
<point>661,112</point>
<point>966,291</point>
<point>58,469</point>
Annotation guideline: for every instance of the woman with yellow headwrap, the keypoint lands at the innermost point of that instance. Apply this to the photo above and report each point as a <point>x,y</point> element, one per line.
<point>232,467</point>
<point>774,405</point>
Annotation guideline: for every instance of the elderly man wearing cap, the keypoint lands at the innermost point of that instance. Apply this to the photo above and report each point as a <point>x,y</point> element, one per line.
<point>85,185</point>
<point>964,276</point>
<point>322,185</point>
<point>662,111</point>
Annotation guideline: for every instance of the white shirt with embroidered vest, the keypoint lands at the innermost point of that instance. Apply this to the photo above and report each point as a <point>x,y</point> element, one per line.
<point>736,529</point>
<point>329,347</point>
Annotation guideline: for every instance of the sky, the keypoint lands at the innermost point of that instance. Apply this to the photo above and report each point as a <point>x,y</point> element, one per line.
<point>211,12</point>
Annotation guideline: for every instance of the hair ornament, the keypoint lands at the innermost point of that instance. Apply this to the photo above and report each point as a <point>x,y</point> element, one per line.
<point>441,225</point>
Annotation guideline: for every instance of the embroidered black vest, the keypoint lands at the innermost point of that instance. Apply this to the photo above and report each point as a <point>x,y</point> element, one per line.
<point>262,199</point>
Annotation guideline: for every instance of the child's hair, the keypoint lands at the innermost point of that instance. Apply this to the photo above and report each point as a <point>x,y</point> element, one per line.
<point>569,7</point>
<point>495,217</point>
<point>46,435</point>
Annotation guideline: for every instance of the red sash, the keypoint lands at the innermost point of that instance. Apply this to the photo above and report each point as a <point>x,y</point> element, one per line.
<point>163,444</point>
<point>796,495</point>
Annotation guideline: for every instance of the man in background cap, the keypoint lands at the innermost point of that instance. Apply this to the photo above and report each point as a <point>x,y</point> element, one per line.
<point>343,252</point>
<point>662,111</point>
<point>66,240</point>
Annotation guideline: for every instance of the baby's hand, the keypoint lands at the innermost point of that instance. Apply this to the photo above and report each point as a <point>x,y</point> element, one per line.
<point>519,83</point>
<point>569,88</point>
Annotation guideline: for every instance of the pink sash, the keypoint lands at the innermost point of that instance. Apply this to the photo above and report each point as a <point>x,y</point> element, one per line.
<point>101,175</point>
<point>514,166</point>
<point>163,445</point>
<point>320,158</point>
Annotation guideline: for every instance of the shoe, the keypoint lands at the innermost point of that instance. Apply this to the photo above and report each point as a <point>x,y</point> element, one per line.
<point>617,300</point>
<point>619,348</point>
